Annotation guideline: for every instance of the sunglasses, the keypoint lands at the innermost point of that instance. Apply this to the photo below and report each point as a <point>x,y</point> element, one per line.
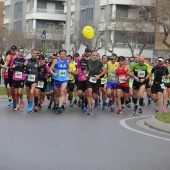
<point>21,51</point>
<point>121,60</point>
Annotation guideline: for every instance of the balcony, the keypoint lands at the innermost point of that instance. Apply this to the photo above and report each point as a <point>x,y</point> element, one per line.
<point>7,2</point>
<point>128,24</point>
<point>46,14</point>
<point>51,34</point>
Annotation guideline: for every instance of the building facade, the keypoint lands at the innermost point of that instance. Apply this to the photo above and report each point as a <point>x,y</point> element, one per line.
<point>34,16</point>
<point>1,14</point>
<point>110,18</point>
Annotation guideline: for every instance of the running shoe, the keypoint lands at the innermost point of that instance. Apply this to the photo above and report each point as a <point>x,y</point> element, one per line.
<point>119,111</point>
<point>17,108</point>
<point>63,108</point>
<point>49,107</point>
<point>89,112</point>
<point>42,100</point>
<point>165,110</point>
<point>85,110</point>
<point>123,107</point>
<point>82,105</point>
<point>104,106</point>
<point>21,103</point>
<point>96,104</point>
<point>149,102</point>
<point>129,105</point>
<point>112,108</point>
<point>75,102</point>
<point>157,111</point>
<point>140,110</point>
<point>29,109</point>
<point>71,103</point>
<point>110,103</point>
<point>99,102</point>
<point>135,109</point>
<point>14,105</point>
<point>59,110</point>
<point>10,103</point>
<point>79,103</point>
<point>39,105</point>
<point>35,108</point>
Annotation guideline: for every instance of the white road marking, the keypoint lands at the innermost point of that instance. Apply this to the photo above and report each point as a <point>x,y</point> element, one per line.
<point>123,123</point>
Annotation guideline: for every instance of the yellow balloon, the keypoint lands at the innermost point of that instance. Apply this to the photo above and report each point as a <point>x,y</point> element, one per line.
<point>88,32</point>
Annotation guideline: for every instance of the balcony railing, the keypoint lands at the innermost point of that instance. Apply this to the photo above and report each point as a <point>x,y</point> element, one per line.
<point>47,11</point>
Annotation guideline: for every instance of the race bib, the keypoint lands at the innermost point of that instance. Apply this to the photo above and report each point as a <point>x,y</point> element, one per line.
<point>121,79</point>
<point>40,84</point>
<point>112,74</point>
<point>18,74</point>
<point>162,86</point>
<point>31,77</point>
<point>62,73</point>
<point>141,74</point>
<point>103,80</point>
<point>166,80</point>
<point>92,79</point>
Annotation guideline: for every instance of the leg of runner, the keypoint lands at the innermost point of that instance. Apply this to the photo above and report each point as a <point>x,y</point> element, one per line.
<point>119,94</point>
<point>141,97</point>
<point>89,99</point>
<point>165,100</point>
<point>135,96</point>
<point>36,96</point>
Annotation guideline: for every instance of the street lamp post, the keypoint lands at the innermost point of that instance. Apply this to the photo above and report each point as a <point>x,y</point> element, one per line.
<point>68,24</point>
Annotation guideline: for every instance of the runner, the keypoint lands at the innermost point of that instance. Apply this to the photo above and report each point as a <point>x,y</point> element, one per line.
<point>3,65</point>
<point>160,73</point>
<point>142,72</point>
<point>112,65</point>
<point>59,70</point>
<point>71,82</point>
<point>82,65</point>
<point>123,82</point>
<point>43,71</point>
<point>50,86</point>
<point>104,83</point>
<point>32,78</point>
<point>18,67</point>
<point>94,68</point>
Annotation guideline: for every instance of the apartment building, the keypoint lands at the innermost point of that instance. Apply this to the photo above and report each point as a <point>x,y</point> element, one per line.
<point>34,16</point>
<point>163,16</point>
<point>1,13</point>
<point>108,16</point>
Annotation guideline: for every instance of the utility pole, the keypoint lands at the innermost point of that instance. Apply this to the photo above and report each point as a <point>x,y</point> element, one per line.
<point>68,24</point>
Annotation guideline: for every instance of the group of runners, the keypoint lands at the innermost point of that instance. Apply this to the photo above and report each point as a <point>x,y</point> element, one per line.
<point>83,79</point>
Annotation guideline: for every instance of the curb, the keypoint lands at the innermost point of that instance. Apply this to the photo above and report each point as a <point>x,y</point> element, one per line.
<point>157,125</point>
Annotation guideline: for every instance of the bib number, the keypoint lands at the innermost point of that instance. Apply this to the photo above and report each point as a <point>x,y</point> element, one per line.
<point>62,73</point>
<point>92,79</point>
<point>141,74</point>
<point>162,86</point>
<point>112,74</point>
<point>166,80</point>
<point>121,79</point>
<point>103,80</point>
<point>18,74</point>
<point>31,77</point>
<point>40,84</point>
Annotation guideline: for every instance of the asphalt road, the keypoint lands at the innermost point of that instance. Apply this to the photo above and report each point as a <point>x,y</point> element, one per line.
<point>75,141</point>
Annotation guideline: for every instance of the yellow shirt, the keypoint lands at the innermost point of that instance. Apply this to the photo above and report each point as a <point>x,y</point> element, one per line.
<point>72,68</point>
<point>111,68</point>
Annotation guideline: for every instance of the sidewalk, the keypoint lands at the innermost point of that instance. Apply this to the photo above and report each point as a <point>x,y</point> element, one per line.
<point>157,125</point>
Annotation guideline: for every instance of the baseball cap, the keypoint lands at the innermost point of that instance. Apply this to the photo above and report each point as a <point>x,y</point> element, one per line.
<point>87,50</point>
<point>160,59</point>
<point>14,48</point>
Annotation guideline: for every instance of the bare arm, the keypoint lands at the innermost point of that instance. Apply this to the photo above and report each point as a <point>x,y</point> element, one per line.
<point>52,68</point>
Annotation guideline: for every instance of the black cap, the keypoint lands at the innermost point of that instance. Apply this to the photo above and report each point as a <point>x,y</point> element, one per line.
<point>76,55</point>
<point>87,50</point>
<point>14,48</point>
<point>41,57</point>
<point>121,58</point>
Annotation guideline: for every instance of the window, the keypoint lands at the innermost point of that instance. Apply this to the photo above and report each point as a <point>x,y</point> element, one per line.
<point>121,11</point>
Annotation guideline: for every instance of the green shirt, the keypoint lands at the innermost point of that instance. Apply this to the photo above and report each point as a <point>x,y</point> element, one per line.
<point>94,67</point>
<point>140,71</point>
